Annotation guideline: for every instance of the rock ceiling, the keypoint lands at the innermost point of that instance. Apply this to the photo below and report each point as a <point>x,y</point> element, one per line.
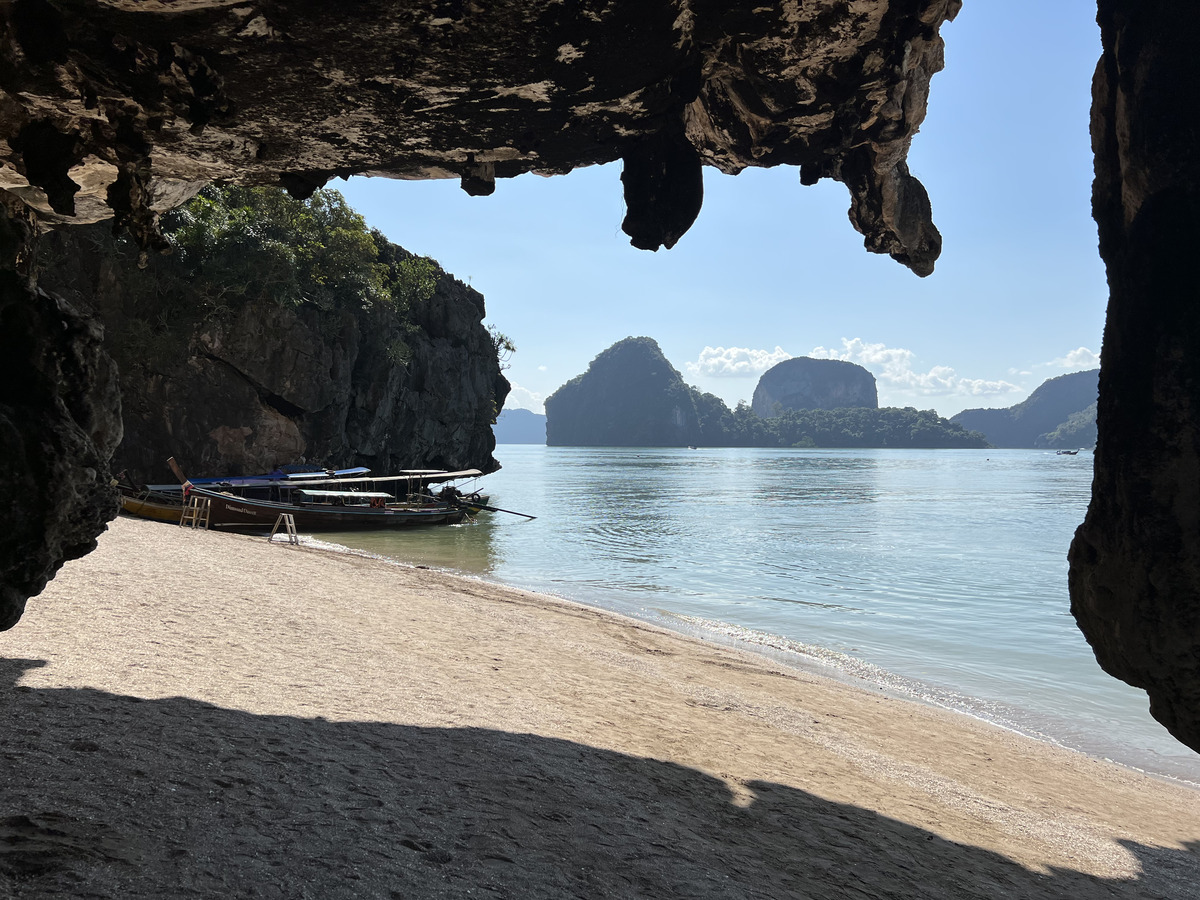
<point>127,108</point>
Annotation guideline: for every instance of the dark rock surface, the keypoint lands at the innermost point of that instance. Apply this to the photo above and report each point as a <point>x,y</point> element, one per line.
<point>1135,561</point>
<point>805,383</point>
<point>1031,422</point>
<point>126,107</point>
<point>520,426</point>
<point>630,396</point>
<point>259,385</point>
<point>60,418</point>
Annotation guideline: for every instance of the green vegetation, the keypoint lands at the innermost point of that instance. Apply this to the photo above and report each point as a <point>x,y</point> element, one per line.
<point>852,427</point>
<point>503,345</point>
<point>1078,431</point>
<point>259,243</point>
<point>239,245</point>
<point>1060,413</point>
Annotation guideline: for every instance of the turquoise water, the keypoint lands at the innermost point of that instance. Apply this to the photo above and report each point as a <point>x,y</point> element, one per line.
<point>939,574</point>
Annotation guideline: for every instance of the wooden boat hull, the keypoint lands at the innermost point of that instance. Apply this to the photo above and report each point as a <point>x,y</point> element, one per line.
<point>229,511</point>
<point>147,508</point>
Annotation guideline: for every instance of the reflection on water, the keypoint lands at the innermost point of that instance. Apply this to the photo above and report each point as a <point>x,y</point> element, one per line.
<point>466,548</point>
<point>945,568</point>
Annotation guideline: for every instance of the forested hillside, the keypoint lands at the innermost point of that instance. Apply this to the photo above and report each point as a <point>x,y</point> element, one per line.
<point>631,396</point>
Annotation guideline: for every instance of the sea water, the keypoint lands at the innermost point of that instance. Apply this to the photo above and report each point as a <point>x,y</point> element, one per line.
<point>937,574</point>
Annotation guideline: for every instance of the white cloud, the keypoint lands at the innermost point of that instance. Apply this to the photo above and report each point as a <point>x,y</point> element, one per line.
<point>541,368</point>
<point>735,362</point>
<point>894,366</point>
<point>1079,358</point>
<point>520,398</point>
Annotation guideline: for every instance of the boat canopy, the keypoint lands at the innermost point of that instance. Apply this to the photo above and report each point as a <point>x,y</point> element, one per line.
<point>346,495</point>
<point>424,476</point>
<point>411,476</point>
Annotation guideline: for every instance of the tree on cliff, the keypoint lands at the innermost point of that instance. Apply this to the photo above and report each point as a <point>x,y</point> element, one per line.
<point>260,244</point>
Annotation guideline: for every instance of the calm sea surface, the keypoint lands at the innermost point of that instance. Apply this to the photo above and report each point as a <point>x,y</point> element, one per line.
<point>940,574</point>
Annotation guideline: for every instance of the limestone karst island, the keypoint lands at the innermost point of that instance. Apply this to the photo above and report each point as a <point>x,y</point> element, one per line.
<point>365,628</point>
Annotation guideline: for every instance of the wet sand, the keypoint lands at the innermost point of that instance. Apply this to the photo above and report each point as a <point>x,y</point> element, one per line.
<point>199,714</point>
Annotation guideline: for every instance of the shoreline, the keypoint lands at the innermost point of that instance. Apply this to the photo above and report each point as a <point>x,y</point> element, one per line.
<point>224,708</point>
<point>828,663</point>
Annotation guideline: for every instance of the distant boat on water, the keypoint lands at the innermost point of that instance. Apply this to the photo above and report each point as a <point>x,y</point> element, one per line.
<point>1066,452</point>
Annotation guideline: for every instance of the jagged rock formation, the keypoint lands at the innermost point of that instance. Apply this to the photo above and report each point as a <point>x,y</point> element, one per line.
<point>630,396</point>
<point>805,383</point>
<point>520,426</point>
<point>1135,561</point>
<point>60,418</point>
<point>256,384</point>
<point>129,106</point>
<point>1045,412</point>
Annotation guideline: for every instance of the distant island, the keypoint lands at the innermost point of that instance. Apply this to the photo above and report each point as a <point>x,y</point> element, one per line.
<point>631,396</point>
<point>1060,413</point>
<point>520,426</point>
<point>806,383</point>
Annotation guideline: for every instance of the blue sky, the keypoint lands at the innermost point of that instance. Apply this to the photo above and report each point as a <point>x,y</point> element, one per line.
<point>773,269</point>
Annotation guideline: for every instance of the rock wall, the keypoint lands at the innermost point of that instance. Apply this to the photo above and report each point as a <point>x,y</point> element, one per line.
<point>1135,561</point>
<point>127,107</point>
<point>60,419</point>
<point>257,384</point>
<point>804,383</point>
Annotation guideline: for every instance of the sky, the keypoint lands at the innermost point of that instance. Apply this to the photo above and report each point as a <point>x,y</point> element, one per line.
<point>773,269</point>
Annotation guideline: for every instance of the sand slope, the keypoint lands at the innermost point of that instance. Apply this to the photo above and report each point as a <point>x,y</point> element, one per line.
<point>198,714</point>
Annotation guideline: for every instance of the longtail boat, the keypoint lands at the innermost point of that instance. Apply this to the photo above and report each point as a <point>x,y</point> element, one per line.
<point>325,510</point>
<point>334,502</point>
<point>150,505</point>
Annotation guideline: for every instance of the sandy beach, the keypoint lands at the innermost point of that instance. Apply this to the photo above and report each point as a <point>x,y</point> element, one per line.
<point>193,714</point>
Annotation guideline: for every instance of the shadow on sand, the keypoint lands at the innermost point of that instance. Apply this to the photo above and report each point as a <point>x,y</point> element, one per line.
<point>105,795</point>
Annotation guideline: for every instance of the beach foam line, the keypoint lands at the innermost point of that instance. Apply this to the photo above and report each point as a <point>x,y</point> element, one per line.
<point>822,661</point>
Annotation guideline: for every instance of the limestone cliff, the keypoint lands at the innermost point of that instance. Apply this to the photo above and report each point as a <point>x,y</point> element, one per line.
<point>1135,561</point>
<point>252,384</point>
<point>60,419</point>
<point>805,383</point>
<point>630,396</point>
